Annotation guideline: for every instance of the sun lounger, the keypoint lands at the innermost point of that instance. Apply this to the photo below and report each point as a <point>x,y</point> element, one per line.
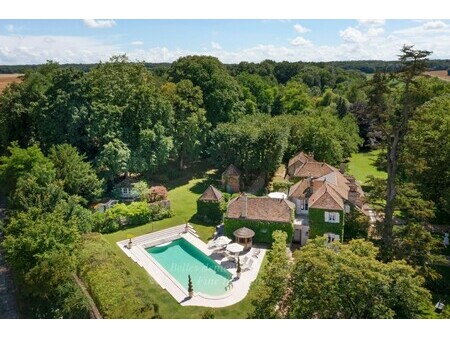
<point>248,265</point>
<point>256,252</point>
<point>243,260</point>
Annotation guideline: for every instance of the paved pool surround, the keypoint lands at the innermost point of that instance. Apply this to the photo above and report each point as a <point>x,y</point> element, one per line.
<point>236,291</point>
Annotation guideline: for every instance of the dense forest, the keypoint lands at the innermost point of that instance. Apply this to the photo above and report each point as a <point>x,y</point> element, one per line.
<point>68,131</point>
<point>365,66</point>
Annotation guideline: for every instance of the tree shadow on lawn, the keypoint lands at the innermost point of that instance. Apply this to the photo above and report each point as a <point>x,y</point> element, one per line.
<point>210,177</point>
<point>172,177</point>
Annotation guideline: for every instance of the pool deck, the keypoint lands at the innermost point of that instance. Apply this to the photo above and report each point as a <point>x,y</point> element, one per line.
<point>237,292</point>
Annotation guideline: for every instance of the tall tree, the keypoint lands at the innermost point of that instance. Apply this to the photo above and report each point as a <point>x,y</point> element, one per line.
<point>65,109</point>
<point>221,92</point>
<point>42,250</point>
<point>77,175</point>
<point>20,163</point>
<point>346,281</point>
<point>426,154</point>
<point>394,120</point>
<point>114,158</point>
<point>190,125</point>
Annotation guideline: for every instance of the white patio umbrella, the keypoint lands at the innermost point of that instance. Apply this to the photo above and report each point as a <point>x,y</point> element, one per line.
<point>235,248</point>
<point>222,240</point>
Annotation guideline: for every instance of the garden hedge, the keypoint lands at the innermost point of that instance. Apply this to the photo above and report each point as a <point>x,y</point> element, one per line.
<point>211,211</point>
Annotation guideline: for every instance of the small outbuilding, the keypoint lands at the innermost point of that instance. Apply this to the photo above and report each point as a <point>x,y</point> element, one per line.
<point>124,189</point>
<point>210,205</point>
<point>231,179</point>
<point>244,236</point>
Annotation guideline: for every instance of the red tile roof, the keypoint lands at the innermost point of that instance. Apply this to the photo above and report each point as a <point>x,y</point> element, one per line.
<point>301,156</point>
<point>300,189</point>
<point>231,171</point>
<point>326,198</point>
<point>211,194</point>
<point>314,169</point>
<point>261,209</point>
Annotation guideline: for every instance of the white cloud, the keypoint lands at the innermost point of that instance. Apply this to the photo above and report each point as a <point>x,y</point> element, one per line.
<point>372,22</point>
<point>301,29</point>
<point>375,31</point>
<point>137,43</point>
<point>434,25</point>
<point>215,46</point>
<point>91,23</point>
<point>351,35</point>
<point>300,41</point>
<point>29,49</point>
<point>358,43</point>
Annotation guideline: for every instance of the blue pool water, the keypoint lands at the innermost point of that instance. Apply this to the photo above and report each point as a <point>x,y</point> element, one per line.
<point>180,258</point>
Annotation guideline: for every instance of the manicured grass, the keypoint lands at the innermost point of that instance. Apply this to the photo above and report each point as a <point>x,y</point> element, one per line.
<point>362,165</point>
<point>183,197</point>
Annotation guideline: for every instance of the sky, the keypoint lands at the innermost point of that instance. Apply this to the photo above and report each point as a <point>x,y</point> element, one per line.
<point>232,41</point>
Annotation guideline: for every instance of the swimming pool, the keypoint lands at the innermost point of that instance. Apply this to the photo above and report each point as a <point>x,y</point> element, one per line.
<point>180,259</point>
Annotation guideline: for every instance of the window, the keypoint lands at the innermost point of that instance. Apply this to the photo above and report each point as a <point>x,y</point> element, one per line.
<point>331,217</point>
<point>126,191</point>
<point>347,208</point>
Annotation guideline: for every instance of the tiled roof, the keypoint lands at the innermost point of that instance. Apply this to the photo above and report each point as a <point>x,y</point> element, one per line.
<point>231,171</point>
<point>326,198</point>
<point>261,208</point>
<point>314,169</point>
<point>338,182</point>
<point>301,156</point>
<point>211,194</point>
<point>126,183</point>
<point>300,189</point>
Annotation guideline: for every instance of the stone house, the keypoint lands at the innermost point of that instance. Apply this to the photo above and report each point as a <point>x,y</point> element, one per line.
<point>231,179</point>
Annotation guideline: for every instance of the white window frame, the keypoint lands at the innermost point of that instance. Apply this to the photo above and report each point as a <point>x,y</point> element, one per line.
<point>304,204</point>
<point>347,208</point>
<point>331,217</point>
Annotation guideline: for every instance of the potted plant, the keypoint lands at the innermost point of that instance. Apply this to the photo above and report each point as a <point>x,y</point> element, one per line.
<point>190,287</point>
<point>238,270</point>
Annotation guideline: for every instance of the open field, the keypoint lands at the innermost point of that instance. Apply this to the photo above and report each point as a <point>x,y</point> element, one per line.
<point>442,74</point>
<point>6,79</point>
<point>362,165</point>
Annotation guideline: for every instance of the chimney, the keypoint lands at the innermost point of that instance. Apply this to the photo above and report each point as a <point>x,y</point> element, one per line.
<point>244,205</point>
<point>342,168</point>
<point>354,196</point>
<point>311,156</point>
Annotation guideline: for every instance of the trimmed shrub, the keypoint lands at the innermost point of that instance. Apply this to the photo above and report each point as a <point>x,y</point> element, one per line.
<point>102,223</point>
<point>211,212</point>
<point>158,212</point>
<point>114,289</point>
<point>133,214</point>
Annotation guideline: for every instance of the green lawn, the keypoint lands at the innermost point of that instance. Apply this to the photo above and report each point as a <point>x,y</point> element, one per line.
<point>362,165</point>
<point>183,195</point>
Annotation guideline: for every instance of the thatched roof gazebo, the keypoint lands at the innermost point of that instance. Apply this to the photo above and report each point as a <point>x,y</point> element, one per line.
<point>244,236</point>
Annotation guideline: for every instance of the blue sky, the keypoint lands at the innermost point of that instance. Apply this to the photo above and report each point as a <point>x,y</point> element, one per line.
<point>87,41</point>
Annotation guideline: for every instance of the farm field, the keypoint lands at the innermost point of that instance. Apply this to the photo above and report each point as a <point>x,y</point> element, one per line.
<point>442,74</point>
<point>6,79</point>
